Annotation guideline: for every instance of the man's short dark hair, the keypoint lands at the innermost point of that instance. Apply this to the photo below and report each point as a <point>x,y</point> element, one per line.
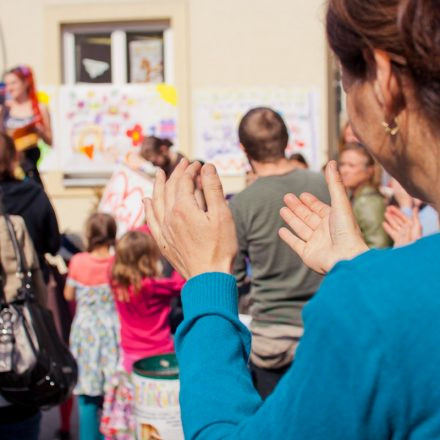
<point>263,134</point>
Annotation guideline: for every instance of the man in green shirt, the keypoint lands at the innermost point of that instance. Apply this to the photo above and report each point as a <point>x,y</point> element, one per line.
<point>281,284</point>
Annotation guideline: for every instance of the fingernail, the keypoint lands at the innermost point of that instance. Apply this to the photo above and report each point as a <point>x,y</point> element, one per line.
<point>208,170</point>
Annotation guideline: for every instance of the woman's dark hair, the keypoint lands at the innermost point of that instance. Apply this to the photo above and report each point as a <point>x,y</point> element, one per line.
<point>263,134</point>
<point>7,157</point>
<point>409,30</point>
<point>154,143</point>
<point>100,231</point>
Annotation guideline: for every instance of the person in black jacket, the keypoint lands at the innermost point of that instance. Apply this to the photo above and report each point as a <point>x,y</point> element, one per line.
<point>28,200</point>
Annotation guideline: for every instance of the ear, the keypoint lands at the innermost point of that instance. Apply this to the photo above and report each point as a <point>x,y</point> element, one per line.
<point>242,148</point>
<point>386,85</point>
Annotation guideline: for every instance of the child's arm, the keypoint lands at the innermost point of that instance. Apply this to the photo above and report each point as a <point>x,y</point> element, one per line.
<point>69,288</point>
<point>69,292</point>
<point>169,286</point>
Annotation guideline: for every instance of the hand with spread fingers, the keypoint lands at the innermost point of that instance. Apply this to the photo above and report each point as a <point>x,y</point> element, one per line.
<point>401,229</point>
<point>192,239</point>
<point>323,235</point>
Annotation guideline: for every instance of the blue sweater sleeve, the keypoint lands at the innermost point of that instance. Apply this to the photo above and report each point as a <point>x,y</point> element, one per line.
<point>329,393</point>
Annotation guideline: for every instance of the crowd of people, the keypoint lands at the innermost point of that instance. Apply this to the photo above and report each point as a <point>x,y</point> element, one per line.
<point>336,270</point>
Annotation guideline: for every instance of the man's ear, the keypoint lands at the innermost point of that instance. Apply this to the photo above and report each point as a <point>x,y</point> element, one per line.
<point>242,148</point>
<point>386,85</point>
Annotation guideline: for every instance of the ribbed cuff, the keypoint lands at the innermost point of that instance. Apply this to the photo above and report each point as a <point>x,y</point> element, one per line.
<point>210,292</point>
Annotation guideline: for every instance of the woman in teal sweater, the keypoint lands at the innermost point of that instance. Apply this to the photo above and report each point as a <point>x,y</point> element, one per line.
<point>368,366</point>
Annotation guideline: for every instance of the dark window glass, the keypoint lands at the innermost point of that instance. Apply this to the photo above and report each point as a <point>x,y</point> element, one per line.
<point>93,58</point>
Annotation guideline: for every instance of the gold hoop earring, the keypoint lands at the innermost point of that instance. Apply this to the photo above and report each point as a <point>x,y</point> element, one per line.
<point>391,130</point>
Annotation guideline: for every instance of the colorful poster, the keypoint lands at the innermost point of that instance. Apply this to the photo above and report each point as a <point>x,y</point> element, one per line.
<point>100,123</point>
<point>123,197</point>
<point>217,113</point>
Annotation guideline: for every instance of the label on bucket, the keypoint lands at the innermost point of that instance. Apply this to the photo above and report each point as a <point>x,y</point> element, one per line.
<point>156,408</point>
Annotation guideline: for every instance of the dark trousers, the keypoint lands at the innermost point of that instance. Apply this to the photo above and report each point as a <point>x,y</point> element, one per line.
<point>27,429</point>
<point>265,379</point>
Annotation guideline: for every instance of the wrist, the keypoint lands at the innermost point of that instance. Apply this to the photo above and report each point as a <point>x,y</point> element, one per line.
<point>218,267</point>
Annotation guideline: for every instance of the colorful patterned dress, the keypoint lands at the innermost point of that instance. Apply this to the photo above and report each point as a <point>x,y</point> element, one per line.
<point>94,338</point>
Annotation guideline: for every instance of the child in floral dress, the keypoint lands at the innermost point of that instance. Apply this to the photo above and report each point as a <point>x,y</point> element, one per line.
<point>94,338</point>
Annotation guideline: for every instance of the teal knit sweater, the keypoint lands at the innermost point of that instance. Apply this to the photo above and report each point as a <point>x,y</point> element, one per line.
<point>368,366</point>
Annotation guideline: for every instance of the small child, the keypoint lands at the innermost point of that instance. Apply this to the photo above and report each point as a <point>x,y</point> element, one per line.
<point>143,301</point>
<point>142,298</point>
<point>94,338</point>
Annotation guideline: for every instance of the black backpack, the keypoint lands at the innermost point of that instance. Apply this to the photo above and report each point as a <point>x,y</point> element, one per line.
<point>36,367</point>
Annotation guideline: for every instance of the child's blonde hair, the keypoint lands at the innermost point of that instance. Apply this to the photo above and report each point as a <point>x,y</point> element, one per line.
<point>137,257</point>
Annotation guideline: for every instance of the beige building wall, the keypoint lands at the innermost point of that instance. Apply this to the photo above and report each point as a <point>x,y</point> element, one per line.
<point>217,43</point>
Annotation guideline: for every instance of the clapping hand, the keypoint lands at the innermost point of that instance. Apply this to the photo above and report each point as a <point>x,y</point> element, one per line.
<point>401,229</point>
<point>324,234</point>
<point>194,240</point>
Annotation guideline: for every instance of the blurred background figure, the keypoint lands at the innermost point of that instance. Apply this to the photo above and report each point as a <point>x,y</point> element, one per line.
<point>280,285</point>
<point>94,337</point>
<point>299,161</point>
<point>143,298</point>
<point>357,170</point>
<point>158,152</point>
<point>24,119</point>
<point>346,136</point>
<point>28,199</point>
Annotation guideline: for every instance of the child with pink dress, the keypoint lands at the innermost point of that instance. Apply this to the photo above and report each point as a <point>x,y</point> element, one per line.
<point>143,302</point>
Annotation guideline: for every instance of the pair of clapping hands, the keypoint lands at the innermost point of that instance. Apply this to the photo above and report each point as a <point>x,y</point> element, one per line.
<point>197,240</point>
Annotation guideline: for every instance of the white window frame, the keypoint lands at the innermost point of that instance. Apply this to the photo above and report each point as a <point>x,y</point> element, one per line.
<point>118,34</point>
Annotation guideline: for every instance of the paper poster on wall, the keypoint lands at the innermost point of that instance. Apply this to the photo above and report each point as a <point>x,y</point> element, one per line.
<point>123,197</point>
<point>217,113</point>
<point>100,123</point>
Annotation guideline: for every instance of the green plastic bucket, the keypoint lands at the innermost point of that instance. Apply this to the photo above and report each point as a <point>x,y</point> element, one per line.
<point>156,398</point>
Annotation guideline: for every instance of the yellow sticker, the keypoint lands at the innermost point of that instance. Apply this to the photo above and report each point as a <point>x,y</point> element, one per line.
<point>168,93</point>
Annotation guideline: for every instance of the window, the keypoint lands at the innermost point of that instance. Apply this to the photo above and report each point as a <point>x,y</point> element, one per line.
<point>93,58</point>
<point>118,53</point>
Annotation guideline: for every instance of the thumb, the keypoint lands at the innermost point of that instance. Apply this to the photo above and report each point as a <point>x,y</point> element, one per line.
<point>212,188</point>
<point>338,194</point>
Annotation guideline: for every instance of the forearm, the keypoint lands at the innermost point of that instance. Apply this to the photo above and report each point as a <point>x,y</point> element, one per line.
<point>212,346</point>
<point>322,396</point>
<point>46,136</point>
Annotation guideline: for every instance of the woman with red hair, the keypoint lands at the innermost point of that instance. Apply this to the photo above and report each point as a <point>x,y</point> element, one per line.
<point>24,118</point>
